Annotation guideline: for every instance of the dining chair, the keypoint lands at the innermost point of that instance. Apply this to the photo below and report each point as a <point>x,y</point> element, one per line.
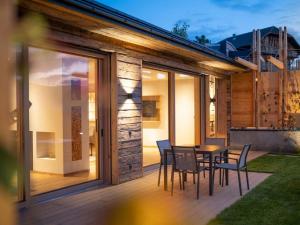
<point>184,162</point>
<point>162,145</point>
<point>239,165</point>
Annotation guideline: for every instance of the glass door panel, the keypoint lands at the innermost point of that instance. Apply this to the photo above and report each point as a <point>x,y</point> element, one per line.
<point>62,120</point>
<point>155,113</point>
<point>185,109</point>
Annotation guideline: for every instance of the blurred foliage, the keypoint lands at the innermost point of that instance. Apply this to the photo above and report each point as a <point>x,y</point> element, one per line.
<point>141,210</point>
<point>8,169</point>
<point>32,27</point>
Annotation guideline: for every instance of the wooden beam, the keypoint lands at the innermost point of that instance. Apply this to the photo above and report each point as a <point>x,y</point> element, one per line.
<point>258,76</point>
<point>246,63</point>
<point>280,88</point>
<point>279,64</point>
<point>254,77</point>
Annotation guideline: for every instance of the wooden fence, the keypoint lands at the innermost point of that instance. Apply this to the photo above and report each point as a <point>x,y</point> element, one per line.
<point>269,95</point>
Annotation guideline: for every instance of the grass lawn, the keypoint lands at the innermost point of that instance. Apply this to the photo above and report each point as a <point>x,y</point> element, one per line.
<point>274,202</point>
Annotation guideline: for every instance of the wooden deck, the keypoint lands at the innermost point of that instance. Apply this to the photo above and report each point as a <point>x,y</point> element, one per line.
<point>140,202</point>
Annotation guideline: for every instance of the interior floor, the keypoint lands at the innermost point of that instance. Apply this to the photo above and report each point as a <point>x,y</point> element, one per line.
<point>43,182</point>
<point>150,156</point>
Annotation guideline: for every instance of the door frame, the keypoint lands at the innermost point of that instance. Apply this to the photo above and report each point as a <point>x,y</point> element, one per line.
<point>102,124</point>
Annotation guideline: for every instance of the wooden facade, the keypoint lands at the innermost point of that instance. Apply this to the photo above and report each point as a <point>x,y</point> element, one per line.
<point>119,103</point>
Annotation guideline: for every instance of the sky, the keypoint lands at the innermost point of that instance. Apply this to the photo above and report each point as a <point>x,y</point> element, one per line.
<point>216,19</point>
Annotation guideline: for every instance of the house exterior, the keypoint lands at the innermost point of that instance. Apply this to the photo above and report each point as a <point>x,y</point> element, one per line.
<point>268,92</point>
<point>241,45</point>
<point>98,88</point>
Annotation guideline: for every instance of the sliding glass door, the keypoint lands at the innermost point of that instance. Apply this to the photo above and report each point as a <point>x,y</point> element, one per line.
<point>155,113</point>
<point>62,120</point>
<point>187,103</point>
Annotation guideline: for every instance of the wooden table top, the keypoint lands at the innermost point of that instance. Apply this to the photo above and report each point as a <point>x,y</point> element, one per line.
<point>206,149</point>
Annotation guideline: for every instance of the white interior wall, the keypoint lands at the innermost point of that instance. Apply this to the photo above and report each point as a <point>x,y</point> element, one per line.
<point>153,131</point>
<point>51,112</point>
<point>184,112</point>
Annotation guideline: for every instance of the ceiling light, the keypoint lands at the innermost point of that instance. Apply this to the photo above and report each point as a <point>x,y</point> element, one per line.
<point>161,76</point>
<point>183,75</point>
<point>147,71</point>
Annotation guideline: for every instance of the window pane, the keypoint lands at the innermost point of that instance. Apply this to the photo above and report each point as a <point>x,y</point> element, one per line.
<point>155,113</point>
<point>212,106</point>
<point>184,109</point>
<point>62,120</point>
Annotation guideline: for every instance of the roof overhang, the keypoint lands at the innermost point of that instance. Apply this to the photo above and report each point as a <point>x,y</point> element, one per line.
<point>100,19</point>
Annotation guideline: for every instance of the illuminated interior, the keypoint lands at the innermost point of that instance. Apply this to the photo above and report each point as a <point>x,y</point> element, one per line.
<point>212,106</point>
<point>155,113</point>
<point>62,117</point>
<point>184,109</point>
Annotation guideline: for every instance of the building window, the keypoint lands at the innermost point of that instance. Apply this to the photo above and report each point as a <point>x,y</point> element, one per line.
<point>212,106</point>
<point>62,119</point>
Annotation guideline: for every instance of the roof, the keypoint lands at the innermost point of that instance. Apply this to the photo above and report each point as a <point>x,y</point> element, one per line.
<point>244,40</point>
<point>101,11</point>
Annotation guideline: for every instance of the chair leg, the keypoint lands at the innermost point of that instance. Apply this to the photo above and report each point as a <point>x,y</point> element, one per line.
<point>198,184</point>
<point>213,177</point>
<point>239,178</point>
<point>159,174</point>
<point>247,178</point>
<point>183,180</point>
<point>220,176</point>
<point>180,180</point>
<point>194,181</point>
<point>172,179</point>
<point>204,170</point>
<point>223,177</point>
<point>172,170</point>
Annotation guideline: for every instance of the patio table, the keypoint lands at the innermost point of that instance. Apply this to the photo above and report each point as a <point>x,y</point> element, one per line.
<point>210,151</point>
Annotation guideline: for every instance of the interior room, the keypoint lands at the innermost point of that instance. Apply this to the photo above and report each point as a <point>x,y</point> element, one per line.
<point>155,113</point>
<point>185,106</point>
<point>62,117</point>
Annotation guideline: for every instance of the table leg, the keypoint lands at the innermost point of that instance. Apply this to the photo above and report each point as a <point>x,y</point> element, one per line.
<point>210,175</point>
<point>226,171</point>
<point>165,170</point>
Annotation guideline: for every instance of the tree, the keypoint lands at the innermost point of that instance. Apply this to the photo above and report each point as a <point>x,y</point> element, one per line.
<point>202,39</point>
<point>180,28</point>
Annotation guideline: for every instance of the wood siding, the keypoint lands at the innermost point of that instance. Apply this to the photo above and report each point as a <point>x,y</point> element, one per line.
<point>242,100</point>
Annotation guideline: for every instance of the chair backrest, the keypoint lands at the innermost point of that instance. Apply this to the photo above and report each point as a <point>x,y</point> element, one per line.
<point>243,155</point>
<point>215,141</point>
<point>162,145</point>
<point>184,158</point>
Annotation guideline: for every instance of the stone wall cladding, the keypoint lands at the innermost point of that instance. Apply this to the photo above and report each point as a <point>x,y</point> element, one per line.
<point>129,124</point>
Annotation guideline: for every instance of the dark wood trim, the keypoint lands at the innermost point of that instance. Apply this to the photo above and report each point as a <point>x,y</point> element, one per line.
<point>23,122</point>
<point>171,101</point>
<point>104,117</point>
<point>197,103</point>
<point>114,121</point>
<point>202,110</point>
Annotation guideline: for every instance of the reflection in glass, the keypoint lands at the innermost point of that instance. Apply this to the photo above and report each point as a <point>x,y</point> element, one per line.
<point>155,113</point>
<point>61,119</point>
<point>212,106</point>
<point>184,109</point>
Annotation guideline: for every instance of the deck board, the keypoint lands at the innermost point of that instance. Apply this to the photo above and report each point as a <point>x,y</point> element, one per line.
<point>143,198</point>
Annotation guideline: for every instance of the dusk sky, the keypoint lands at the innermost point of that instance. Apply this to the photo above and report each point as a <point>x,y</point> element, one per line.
<point>217,19</point>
